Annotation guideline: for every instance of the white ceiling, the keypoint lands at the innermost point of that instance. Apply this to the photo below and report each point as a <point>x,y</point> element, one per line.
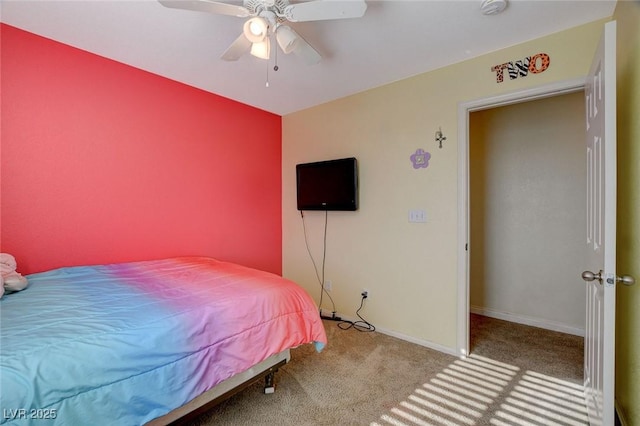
<point>395,39</point>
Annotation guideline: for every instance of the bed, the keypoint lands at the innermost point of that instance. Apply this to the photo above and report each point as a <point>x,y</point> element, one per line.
<point>144,342</point>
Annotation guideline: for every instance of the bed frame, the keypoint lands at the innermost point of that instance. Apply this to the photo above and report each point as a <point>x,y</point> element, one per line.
<point>206,401</point>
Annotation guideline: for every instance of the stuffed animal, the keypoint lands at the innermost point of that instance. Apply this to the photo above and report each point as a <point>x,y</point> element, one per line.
<point>11,279</point>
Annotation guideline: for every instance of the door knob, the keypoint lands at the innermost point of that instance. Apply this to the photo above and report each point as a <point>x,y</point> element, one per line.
<point>626,280</point>
<point>590,276</point>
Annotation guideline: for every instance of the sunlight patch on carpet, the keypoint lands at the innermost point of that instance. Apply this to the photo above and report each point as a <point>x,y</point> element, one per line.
<point>477,390</point>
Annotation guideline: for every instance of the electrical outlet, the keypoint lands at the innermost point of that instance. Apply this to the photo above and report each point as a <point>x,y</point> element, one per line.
<point>327,285</point>
<point>365,293</point>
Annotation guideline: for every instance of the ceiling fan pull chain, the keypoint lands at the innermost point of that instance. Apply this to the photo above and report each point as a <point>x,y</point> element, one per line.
<point>275,65</point>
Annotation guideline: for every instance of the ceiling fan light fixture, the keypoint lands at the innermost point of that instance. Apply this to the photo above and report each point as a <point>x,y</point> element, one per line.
<point>261,49</point>
<point>256,29</point>
<point>287,38</point>
<point>264,17</point>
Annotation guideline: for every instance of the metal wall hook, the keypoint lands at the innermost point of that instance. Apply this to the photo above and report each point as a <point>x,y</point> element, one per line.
<point>439,137</point>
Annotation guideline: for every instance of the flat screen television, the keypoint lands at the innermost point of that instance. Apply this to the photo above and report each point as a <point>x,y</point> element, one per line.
<point>328,185</point>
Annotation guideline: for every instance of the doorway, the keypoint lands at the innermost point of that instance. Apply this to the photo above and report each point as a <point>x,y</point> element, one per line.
<point>516,272</point>
<point>527,171</point>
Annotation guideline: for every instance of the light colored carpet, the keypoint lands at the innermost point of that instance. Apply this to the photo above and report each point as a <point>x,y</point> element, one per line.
<point>516,375</point>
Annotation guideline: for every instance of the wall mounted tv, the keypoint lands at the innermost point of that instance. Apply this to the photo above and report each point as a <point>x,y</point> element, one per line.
<point>328,185</point>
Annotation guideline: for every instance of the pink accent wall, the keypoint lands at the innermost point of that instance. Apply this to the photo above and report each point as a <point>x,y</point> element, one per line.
<point>102,162</point>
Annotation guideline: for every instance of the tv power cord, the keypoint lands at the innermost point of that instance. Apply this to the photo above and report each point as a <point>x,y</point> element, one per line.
<point>320,276</point>
<point>362,324</point>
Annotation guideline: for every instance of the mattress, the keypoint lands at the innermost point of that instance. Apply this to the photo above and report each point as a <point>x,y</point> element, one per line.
<point>126,343</point>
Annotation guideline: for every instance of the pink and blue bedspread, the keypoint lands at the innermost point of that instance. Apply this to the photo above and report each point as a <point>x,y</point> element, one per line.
<point>126,343</point>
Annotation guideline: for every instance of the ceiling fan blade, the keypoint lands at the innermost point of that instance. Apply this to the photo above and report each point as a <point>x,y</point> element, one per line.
<point>305,51</point>
<point>208,6</point>
<point>320,10</point>
<point>238,48</point>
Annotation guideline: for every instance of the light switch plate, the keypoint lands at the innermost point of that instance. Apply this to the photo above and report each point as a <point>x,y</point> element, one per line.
<point>417,216</point>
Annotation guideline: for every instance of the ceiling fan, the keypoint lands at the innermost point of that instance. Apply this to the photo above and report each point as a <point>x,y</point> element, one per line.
<point>268,17</point>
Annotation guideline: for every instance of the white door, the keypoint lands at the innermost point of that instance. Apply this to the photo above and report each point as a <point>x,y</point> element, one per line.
<point>600,93</point>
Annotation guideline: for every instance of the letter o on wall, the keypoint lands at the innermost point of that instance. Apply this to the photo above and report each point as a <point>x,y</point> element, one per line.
<point>539,63</point>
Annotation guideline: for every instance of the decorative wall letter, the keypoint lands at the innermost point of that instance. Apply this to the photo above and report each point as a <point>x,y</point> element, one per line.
<point>519,68</point>
<point>539,63</point>
<point>499,72</point>
<point>531,64</point>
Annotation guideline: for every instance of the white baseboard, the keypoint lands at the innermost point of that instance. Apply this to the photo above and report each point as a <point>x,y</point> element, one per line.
<point>425,343</point>
<point>620,414</point>
<point>534,322</point>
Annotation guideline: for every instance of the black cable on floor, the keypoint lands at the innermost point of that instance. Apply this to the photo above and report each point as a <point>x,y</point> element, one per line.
<point>362,325</point>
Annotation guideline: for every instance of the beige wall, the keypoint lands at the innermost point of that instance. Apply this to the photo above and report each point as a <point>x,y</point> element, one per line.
<point>410,269</point>
<point>627,15</point>
<point>527,172</point>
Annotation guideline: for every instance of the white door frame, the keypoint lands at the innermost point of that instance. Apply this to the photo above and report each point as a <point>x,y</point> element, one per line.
<point>464,109</point>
